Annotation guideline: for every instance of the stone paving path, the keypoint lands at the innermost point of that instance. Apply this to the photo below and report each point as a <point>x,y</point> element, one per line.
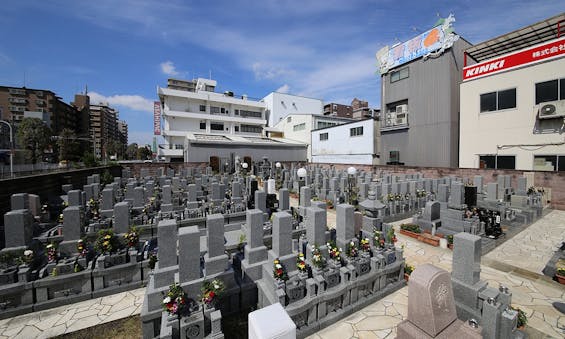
<point>73,317</point>
<point>517,270</point>
<point>531,292</point>
<point>532,248</point>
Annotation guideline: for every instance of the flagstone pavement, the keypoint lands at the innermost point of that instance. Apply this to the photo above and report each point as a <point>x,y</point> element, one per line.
<point>517,264</point>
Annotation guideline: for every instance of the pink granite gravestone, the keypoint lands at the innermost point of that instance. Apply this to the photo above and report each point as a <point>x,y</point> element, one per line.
<point>431,308</point>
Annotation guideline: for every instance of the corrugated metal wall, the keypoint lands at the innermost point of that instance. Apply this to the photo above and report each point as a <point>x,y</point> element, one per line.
<point>432,91</point>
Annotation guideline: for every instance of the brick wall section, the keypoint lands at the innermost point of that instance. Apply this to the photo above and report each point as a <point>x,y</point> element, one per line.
<point>553,180</point>
<point>154,167</point>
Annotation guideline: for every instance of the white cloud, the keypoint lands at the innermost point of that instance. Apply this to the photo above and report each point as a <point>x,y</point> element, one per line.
<point>262,71</point>
<point>283,89</point>
<point>134,102</point>
<point>168,68</point>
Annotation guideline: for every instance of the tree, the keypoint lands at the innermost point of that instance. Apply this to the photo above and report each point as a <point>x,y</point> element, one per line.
<point>68,146</point>
<point>131,151</point>
<point>114,147</point>
<point>144,153</point>
<point>34,136</point>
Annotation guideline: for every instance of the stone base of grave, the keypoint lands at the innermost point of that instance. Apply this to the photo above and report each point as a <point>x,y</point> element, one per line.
<point>163,276</point>
<point>216,264</point>
<point>457,329</point>
<point>106,213</point>
<point>68,247</point>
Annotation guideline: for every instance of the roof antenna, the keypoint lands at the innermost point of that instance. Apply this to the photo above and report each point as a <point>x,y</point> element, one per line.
<point>86,89</point>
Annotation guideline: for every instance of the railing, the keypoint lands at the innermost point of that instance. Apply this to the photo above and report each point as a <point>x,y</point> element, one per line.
<point>27,169</point>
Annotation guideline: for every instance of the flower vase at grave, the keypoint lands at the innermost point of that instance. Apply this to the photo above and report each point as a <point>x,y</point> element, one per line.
<point>279,284</point>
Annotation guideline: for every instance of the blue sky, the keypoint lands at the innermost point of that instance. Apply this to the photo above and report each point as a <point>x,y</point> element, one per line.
<point>123,49</point>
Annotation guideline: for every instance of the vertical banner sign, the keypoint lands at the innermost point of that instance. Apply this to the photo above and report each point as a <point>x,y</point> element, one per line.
<point>157,118</point>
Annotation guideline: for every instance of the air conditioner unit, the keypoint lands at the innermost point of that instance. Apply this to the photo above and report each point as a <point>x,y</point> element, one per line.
<point>388,122</point>
<point>401,108</point>
<point>551,109</point>
<point>401,121</point>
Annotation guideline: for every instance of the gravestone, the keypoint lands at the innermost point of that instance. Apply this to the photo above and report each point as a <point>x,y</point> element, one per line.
<point>345,224</point>
<point>75,198</point>
<point>255,250</point>
<point>121,217</point>
<point>19,201</point>
<point>73,220</point>
<point>431,307</point>
<point>189,253</point>
<point>282,241</point>
<point>18,228</point>
<point>284,199</point>
<point>215,260</point>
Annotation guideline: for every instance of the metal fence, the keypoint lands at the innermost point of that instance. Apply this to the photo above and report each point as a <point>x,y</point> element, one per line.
<point>27,169</point>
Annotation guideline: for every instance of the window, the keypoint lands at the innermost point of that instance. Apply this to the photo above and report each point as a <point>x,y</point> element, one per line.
<point>202,124</point>
<point>497,161</point>
<point>323,136</point>
<point>402,73</point>
<point>250,129</point>
<point>288,119</point>
<point>550,90</point>
<point>495,101</point>
<point>217,126</point>
<point>324,124</point>
<point>236,128</point>
<point>356,131</point>
<point>251,114</point>
<point>549,163</point>
<point>202,108</point>
<point>299,127</point>
<point>214,110</point>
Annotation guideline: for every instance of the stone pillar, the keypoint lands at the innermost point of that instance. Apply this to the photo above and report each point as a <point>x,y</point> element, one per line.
<point>345,225</point>
<point>189,253</point>
<point>215,260</point>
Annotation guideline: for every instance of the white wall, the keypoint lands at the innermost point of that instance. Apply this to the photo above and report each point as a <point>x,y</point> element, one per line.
<point>341,148</point>
<point>280,105</point>
<point>480,133</point>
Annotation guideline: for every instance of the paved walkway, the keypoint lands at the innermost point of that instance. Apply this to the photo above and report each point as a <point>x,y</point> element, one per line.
<point>519,270</point>
<point>530,291</point>
<point>74,317</point>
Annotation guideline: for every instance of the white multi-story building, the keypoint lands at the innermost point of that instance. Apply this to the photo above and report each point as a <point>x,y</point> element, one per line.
<point>356,142</point>
<point>280,105</point>
<point>192,107</point>
<point>513,100</point>
<point>299,127</point>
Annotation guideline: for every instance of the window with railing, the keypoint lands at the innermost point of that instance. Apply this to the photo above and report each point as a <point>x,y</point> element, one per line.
<point>299,127</point>
<point>324,136</point>
<point>324,124</point>
<point>250,114</point>
<point>250,129</point>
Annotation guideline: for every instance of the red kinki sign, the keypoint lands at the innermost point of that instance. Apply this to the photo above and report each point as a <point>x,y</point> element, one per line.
<point>545,51</point>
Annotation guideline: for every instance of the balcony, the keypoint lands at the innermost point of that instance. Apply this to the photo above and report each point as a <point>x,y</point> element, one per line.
<point>171,150</point>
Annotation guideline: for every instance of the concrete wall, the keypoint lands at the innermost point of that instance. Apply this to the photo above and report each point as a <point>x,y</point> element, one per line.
<point>279,105</point>
<point>481,133</point>
<point>340,147</point>
<point>202,152</point>
<point>432,92</point>
<point>46,186</point>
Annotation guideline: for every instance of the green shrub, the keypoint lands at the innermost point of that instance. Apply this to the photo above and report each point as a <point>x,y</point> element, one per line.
<point>411,228</point>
